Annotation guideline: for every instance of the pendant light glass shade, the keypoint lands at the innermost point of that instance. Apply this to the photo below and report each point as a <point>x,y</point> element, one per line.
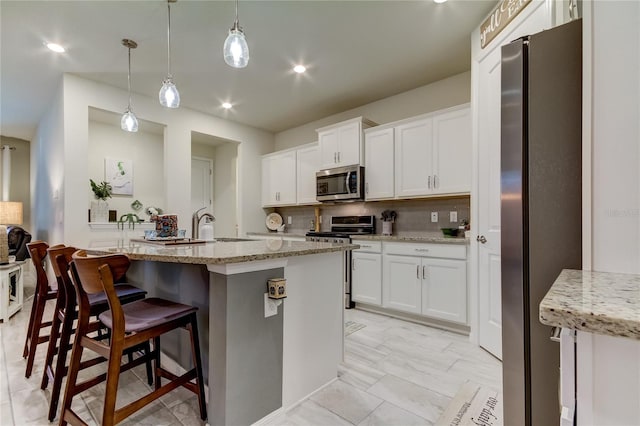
<point>169,96</point>
<point>129,122</point>
<point>236,50</point>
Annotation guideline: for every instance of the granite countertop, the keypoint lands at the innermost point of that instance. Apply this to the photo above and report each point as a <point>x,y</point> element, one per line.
<point>416,237</point>
<point>294,233</point>
<point>595,302</point>
<point>220,252</point>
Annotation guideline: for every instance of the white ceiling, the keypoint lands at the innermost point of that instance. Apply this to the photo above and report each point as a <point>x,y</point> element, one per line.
<point>356,52</point>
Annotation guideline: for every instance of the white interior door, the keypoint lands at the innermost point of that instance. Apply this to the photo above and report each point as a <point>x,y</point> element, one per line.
<point>201,184</point>
<point>489,283</point>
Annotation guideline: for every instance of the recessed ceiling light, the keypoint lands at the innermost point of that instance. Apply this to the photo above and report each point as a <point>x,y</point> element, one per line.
<point>226,105</point>
<point>299,69</point>
<point>55,47</point>
<point>439,1</point>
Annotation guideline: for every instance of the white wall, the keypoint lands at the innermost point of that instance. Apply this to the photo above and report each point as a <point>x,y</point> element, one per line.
<point>445,93</point>
<point>80,94</point>
<point>144,149</point>
<point>608,368</point>
<point>47,175</point>
<point>19,187</point>
<point>225,189</point>
<point>615,128</point>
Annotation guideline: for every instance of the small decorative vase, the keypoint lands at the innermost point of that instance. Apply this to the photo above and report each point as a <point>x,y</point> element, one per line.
<point>99,211</point>
<point>387,228</point>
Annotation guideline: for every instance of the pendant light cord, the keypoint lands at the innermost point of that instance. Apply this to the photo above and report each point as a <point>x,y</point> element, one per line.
<point>237,23</point>
<point>129,80</point>
<point>169,39</point>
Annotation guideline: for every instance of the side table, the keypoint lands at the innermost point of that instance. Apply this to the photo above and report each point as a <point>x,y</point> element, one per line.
<point>11,289</point>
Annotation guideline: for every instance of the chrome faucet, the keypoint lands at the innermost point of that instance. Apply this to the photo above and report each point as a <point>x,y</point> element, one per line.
<point>195,222</point>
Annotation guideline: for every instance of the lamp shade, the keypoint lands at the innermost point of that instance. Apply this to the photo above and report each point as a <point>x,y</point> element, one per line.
<point>10,213</point>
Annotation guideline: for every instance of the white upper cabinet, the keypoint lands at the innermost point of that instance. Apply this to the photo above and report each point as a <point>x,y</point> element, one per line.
<point>341,144</point>
<point>308,163</point>
<point>378,174</point>
<point>413,157</point>
<point>452,151</point>
<point>279,179</point>
<point>433,154</point>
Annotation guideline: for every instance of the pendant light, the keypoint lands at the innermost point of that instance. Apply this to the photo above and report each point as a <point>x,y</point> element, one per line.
<point>236,51</point>
<point>169,96</point>
<point>129,122</point>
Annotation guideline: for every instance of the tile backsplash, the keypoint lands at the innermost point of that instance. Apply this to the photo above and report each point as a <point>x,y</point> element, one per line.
<point>412,215</point>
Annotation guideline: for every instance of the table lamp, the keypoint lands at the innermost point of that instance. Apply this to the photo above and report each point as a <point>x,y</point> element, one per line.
<point>10,214</point>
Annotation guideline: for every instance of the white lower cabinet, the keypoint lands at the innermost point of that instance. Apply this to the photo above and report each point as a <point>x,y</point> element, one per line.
<point>426,279</point>
<point>444,289</point>
<point>366,273</point>
<point>401,285</point>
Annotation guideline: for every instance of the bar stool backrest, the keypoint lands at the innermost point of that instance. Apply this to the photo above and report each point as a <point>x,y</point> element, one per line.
<point>99,273</point>
<point>38,252</point>
<point>61,271</point>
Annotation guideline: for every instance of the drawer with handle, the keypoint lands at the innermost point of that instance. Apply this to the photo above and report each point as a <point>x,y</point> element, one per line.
<point>368,246</point>
<point>448,251</point>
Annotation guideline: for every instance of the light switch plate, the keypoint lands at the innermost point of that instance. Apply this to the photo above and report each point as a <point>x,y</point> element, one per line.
<point>434,217</point>
<point>453,216</point>
<point>288,220</point>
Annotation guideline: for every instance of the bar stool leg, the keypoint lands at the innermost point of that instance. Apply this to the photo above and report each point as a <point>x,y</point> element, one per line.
<point>111,391</point>
<point>72,376</point>
<point>63,348</point>
<point>197,362</point>
<point>25,352</point>
<point>54,334</point>
<point>34,336</point>
<point>147,350</point>
<point>156,362</point>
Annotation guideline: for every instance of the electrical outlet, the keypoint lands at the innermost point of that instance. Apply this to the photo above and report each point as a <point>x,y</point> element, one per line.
<point>434,217</point>
<point>320,218</point>
<point>453,216</point>
<point>288,220</point>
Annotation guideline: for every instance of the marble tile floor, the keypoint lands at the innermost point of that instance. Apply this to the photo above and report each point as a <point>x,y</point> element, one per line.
<point>394,373</point>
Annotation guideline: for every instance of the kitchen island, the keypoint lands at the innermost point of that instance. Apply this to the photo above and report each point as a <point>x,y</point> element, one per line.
<point>599,314</point>
<point>255,365</point>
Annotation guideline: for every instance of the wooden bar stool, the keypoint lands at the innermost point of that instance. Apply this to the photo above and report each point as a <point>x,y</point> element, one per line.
<point>44,291</point>
<point>143,320</point>
<point>63,318</point>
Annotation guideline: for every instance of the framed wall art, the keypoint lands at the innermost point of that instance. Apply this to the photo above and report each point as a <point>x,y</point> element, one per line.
<point>119,174</point>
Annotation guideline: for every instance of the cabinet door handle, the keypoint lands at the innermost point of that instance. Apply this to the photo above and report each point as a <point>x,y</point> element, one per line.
<point>422,249</point>
<point>424,275</point>
<point>364,246</point>
<point>367,190</point>
<point>436,182</point>
<point>338,156</point>
<point>335,157</point>
<point>429,182</point>
<point>418,271</point>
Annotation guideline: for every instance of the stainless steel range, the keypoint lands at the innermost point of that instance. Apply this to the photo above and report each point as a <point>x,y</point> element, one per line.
<point>343,228</point>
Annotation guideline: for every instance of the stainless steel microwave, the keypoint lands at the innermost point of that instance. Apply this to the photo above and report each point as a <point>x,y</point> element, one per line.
<point>340,184</point>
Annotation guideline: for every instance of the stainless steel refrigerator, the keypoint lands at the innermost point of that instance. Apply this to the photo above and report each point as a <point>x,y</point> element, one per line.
<point>541,227</point>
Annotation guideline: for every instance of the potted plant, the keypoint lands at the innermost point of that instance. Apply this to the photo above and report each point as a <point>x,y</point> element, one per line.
<point>100,207</point>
